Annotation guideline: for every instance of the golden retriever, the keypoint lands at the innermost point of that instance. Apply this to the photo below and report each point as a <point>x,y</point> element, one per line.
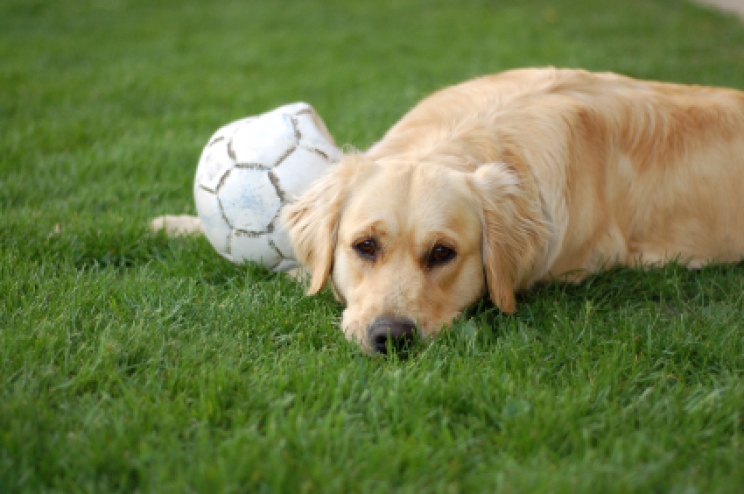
<point>493,185</point>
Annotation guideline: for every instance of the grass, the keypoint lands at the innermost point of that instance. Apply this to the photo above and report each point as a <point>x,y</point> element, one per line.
<point>130,362</point>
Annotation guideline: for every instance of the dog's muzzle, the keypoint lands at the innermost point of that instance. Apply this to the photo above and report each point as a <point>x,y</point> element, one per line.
<point>387,333</point>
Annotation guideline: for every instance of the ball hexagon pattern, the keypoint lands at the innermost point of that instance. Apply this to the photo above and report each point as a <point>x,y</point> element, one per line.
<point>249,170</point>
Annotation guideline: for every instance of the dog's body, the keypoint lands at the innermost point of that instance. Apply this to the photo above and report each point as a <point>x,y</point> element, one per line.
<point>525,176</point>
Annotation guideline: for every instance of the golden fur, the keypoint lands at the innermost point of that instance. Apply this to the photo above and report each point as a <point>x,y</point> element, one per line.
<point>526,176</point>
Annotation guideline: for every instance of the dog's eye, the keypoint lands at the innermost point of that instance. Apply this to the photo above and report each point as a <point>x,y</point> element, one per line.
<point>366,248</point>
<point>440,255</point>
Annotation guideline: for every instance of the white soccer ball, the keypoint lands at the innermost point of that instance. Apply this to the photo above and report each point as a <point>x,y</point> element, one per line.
<point>249,170</point>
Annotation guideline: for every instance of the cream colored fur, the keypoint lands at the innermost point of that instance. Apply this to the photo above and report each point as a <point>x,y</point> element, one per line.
<point>529,175</point>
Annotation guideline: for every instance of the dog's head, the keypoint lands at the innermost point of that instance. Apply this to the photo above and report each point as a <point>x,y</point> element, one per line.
<point>407,246</point>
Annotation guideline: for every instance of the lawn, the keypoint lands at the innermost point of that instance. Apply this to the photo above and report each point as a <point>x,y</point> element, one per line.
<point>130,362</point>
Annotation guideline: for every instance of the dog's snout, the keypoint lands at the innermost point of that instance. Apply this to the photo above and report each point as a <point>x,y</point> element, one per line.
<point>389,333</point>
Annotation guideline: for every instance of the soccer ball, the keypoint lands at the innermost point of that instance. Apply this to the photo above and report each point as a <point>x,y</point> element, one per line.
<point>249,170</point>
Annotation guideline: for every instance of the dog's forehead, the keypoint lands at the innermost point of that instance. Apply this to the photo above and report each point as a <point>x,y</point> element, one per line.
<point>413,199</point>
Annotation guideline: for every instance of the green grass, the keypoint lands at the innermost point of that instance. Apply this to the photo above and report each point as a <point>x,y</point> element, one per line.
<point>132,362</point>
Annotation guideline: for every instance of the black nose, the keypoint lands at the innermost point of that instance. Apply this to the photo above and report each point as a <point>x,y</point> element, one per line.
<point>389,333</point>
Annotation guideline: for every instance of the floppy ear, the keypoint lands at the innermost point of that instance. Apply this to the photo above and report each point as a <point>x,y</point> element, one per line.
<point>513,230</point>
<point>312,220</point>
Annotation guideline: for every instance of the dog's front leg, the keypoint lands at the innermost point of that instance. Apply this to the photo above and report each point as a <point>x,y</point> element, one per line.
<point>177,225</point>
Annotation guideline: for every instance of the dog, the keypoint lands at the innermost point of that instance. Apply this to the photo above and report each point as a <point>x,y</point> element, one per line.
<point>531,175</point>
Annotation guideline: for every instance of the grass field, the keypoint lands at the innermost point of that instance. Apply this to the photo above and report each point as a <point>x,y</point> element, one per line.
<point>134,363</point>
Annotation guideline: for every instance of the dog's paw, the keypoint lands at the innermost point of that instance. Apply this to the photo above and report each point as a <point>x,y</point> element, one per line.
<point>299,275</point>
<point>176,226</point>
